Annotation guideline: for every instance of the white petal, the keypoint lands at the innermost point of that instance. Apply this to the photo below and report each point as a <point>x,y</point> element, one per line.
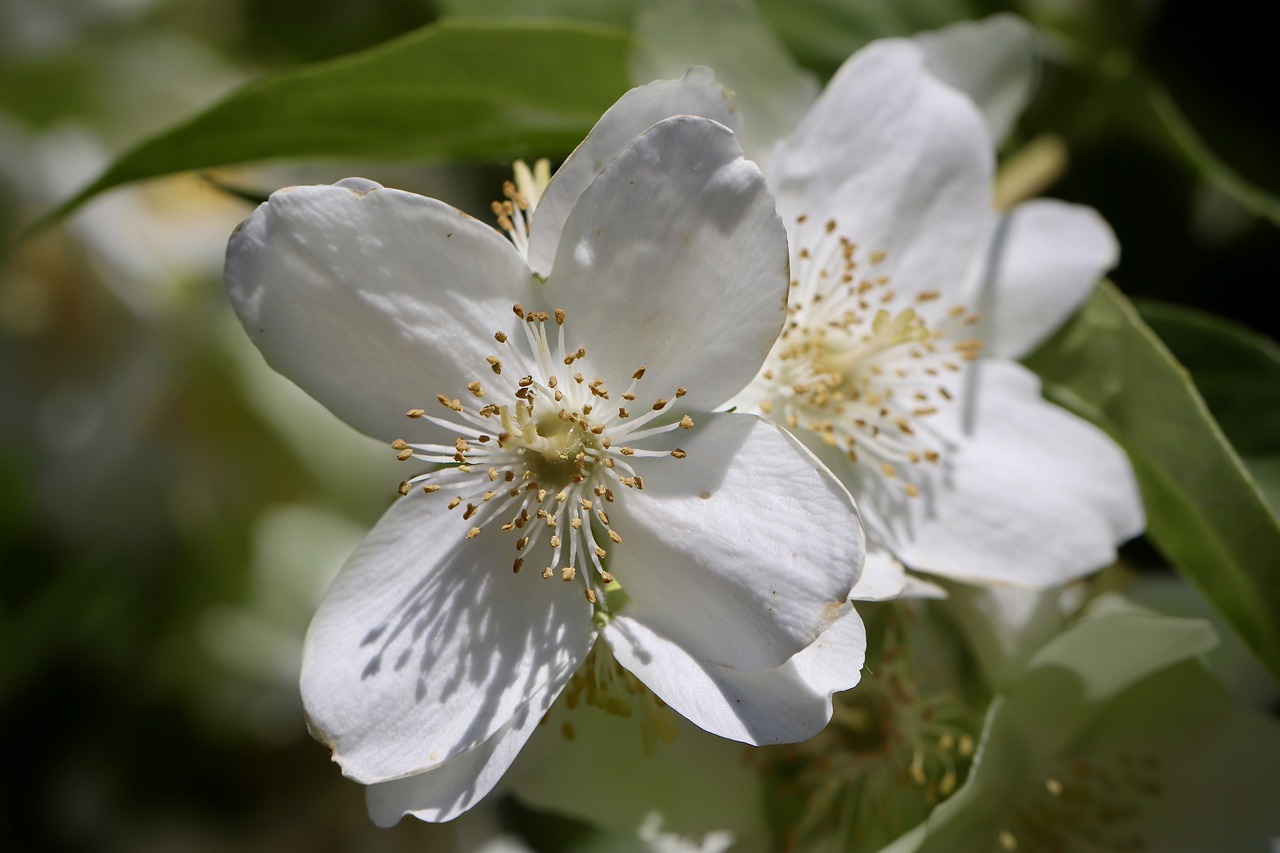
<point>427,645</point>
<point>1046,258</point>
<point>1031,496</point>
<point>743,552</point>
<point>786,704</point>
<point>372,300</point>
<point>993,61</point>
<point>675,260</point>
<point>697,93</point>
<point>770,89</point>
<point>453,788</point>
<point>901,161</point>
<point>882,578</point>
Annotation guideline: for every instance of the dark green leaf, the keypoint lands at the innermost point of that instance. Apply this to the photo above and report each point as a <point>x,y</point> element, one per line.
<point>1237,371</point>
<point>1205,512</point>
<point>823,33</point>
<point>455,90</point>
<point>616,12</point>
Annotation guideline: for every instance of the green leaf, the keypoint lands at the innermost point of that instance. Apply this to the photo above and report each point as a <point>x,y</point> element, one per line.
<point>1237,371</point>
<point>1205,511</point>
<point>823,33</point>
<point>456,90</point>
<point>616,12</point>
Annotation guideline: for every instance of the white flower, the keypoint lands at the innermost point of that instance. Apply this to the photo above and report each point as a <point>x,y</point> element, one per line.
<point>910,299</point>
<point>575,483</point>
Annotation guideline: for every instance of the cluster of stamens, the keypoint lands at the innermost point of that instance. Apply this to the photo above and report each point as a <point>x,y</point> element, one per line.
<point>603,683</point>
<point>857,367</point>
<point>540,450</point>
<point>514,213</point>
<point>898,744</point>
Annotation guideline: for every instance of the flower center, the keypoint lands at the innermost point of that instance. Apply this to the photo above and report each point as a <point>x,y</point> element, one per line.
<point>540,450</point>
<point>857,366</point>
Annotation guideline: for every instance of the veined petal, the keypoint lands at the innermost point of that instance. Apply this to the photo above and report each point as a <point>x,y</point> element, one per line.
<point>900,161</point>
<point>697,93</point>
<point>372,300</point>
<point>449,790</point>
<point>1046,259</point>
<point>743,552</point>
<point>427,645</point>
<point>788,703</point>
<point>993,61</point>
<point>1030,495</point>
<point>681,233</point>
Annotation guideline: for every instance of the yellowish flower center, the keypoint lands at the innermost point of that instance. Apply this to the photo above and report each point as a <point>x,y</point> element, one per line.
<point>860,366</point>
<point>540,450</point>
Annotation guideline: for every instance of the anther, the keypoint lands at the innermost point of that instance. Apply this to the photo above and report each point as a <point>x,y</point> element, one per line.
<point>567,573</point>
<point>414,413</point>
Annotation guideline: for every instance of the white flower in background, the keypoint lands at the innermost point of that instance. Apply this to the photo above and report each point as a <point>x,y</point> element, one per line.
<point>1088,749</point>
<point>577,485</point>
<point>910,299</point>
